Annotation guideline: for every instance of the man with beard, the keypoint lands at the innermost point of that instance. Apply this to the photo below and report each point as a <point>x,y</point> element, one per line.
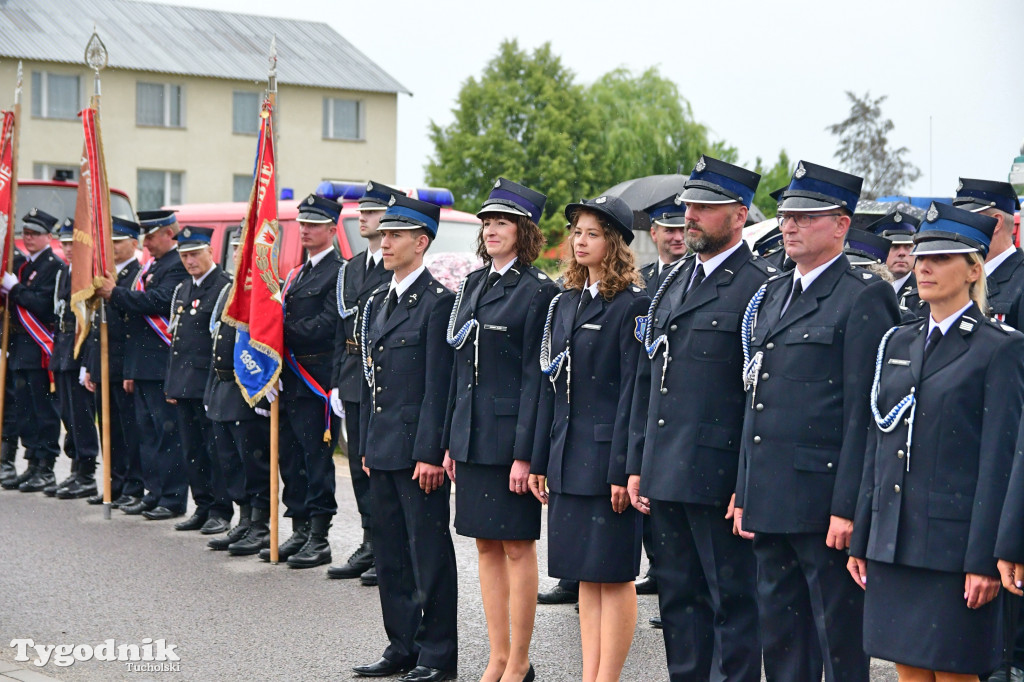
<point>684,441</point>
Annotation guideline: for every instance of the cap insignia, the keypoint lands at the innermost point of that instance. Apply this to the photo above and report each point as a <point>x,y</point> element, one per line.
<point>959,185</point>
<point>600,200</point>
<point>497,183</point>
<point>187,232</point>
<point>391,201</point>
<point>369,187</point>
<point>933,214</point>
<point>800,171</point>
<point>309,200</point>
<point>898,218</point>
<point>701,165</point>
<point>33,212</point>
<point>440,289</point>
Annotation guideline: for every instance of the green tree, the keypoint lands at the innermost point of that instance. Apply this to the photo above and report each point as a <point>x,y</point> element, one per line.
<point>772,179</point>
<point>864,148</point>
<point>526,119</point>
<point>646,127</point>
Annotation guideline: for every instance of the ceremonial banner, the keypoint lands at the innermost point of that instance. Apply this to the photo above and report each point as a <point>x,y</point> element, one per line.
<point>92,248</point>
<point>254,306</point>
<point>6,187</point>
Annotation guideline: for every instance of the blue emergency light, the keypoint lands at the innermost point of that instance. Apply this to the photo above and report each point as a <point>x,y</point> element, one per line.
<point>340,191</point>
<point>438,196</point>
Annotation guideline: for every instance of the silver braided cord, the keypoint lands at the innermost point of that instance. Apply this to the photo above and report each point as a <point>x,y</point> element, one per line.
<point>343,310</point>
<point>652,347</point>
<point>366,353</point>
<point>553,367</point>
<point>751,365</point>
<point>218,309</point>
<point>458,339</point>
<point>888,422</point>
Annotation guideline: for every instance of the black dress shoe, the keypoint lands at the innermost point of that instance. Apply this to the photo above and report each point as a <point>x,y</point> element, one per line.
<point>42,478</point>
<point>161,514</point>
<point>655,622</point>
<point>647,585</point>
<point>137,508</point>
<point>357,564</point>
<point>82,486</point>
<point>369,578</point>
<point>124,501</point>
<point>422,673</point>
<point>381,668</point>
<point>215,525</point>
<point>15,483</point>
<point>95,499</point>
<point>558,595</point>
<point>194,522</point>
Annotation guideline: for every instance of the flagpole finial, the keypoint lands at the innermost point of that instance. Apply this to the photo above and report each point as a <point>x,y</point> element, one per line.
<point>272,73</point>
<point>96,53</point>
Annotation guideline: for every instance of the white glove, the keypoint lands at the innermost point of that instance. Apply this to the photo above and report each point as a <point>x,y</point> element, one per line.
<point>81,375</point>
<point>9,280</point>
<point>261,412</point>
<point>336,405</point>
<point>272,393</point>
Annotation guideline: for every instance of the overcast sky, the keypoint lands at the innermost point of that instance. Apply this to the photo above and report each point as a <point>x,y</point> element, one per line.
<point>762,75</point>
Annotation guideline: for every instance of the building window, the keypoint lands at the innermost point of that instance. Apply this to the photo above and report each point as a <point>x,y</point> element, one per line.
<point>343,119</point>
<point>241,187</point>
<point>159,104</point>
<point>158,188</point>
<point>55,95</point>
<point>55,171</point>
<point>245,113</point>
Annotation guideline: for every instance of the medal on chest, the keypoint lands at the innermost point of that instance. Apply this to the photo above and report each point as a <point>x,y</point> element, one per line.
<point>195,307</point>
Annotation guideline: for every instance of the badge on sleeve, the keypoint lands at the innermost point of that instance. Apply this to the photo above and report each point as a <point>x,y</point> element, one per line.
<point>640,327</point>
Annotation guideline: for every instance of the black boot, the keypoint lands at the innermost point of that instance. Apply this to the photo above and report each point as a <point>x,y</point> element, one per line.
<point>236,533</point>
<point>51,490</point>
<point>316,551</point>
<point>15,483</point>
<point>7,453</point>
<point>256,538</point>
<point>84,484</point>
<point>360,561</point>
<point>42,478</point>
<point>300,533</point>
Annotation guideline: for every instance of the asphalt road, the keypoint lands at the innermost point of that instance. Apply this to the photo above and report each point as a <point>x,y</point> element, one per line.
<point>67,576</point>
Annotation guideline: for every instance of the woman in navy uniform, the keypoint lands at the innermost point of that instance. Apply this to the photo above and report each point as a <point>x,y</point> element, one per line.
<point>947,401</point>
<point>590,351</point>
<point>496,329</point>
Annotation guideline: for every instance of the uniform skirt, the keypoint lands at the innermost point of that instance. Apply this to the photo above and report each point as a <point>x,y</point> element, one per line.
<point>918,617</point>
<point>486,509</point>
<point>588,541</point>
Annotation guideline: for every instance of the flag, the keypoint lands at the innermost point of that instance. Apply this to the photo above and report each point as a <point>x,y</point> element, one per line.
<point>92,248</point>
<point>254,305</point>
<point>6,187</point>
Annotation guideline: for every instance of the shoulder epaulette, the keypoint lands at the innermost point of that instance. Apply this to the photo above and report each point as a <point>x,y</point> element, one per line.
<point>763,265</point>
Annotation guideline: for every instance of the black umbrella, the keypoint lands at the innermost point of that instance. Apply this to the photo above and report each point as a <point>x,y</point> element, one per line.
<point>639,193</point>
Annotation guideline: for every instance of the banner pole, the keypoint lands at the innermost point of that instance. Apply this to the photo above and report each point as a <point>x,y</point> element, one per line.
<point>275,407</point>
<point>5,339</point>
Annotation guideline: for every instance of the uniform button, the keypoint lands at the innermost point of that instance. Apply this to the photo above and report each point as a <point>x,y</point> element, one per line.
<point>379,409</point>
<point>896,488</point>
<point>469,387</point>
<point>175,352</point>
<point>759,407</point>
<point>219,337</point>
<point>900,454</point>
<point>218,358</point>
<point>380,349</point>
<point>379,389</point>
<point>661,422</point>
<point>807,336</point>
<point>402,342</point>
<point>764,376</point>
<point>379,368</point>
<point>757,439</point>
<point>770,346</point>
<point>673,328</point>
<point>664,391</point>
<point>829,465</point>
<point>714,323</point>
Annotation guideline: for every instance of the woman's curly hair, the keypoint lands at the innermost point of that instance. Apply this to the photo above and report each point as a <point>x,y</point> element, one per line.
<point>529,239</point>
<point>619,263</point>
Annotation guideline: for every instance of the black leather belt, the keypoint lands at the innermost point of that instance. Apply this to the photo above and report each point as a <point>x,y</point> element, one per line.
<point>315,357</point>
<point>352,348</point>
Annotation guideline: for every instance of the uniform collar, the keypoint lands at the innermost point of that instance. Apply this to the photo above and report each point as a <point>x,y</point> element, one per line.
<point>199,282</point>
<point>592,288</point>
<point>373,258</point>
<point>315,260</point>
<point>992,264</point>
<point>711,263</point>
<point>808,279</point>
<point>508,266</point>
<point>897,284</point>
<point>33,257</point>
<point>401,287</point>
<point>122,266</point>
<point>948,322</point>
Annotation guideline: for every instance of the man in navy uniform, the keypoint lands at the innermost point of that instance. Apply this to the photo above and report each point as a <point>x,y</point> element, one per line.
<point>187,372</point>
<point>1004,265</point>
<point>899,228</point>
<point>77,407</point>
<point>811,336</point>
<point>307,431</point>
<point>9,446</point>
<point>357,279</point>
<point>684,440</point>
<point>30,293</point>
<point>242,440</point>
<point>408,369</point>
<point>125,465</point>
<point>144,303</point>
<point>668,232</point>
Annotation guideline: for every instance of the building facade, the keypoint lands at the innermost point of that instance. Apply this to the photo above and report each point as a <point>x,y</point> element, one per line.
<point>181,127</point>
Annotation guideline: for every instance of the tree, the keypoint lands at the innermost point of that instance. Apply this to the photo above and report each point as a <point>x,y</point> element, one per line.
<point>864,148</point>
<point>645,128</point>
<point>525,119</point>
<point>772,179</point>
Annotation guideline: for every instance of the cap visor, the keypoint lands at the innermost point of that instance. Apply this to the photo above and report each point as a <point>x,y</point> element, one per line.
<point>671,221</point>
<point>398,225</point>
<point>501,208</point>
<point>119,237</point>
<point>32,227</point>
<point>195,246</point>
<point>700,195</point>
<point>908,239</point>
<point>805,204</point>
<point>313,218</point>
<point>972,206</point>
<point>935,246</point>
<point>371,206</point>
